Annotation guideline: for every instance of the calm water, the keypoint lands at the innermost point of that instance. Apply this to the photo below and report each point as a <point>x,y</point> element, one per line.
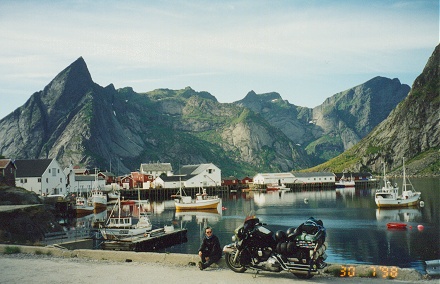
<point>356,229</point>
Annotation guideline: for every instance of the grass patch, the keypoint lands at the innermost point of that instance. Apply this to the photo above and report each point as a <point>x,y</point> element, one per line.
<point>12,250</point>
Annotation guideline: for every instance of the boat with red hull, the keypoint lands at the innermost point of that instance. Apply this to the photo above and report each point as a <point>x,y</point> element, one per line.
<point>396,225</point>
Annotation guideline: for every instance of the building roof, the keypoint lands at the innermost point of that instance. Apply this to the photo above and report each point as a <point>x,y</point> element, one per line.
<point>156,167</point>
<point>5,162</point>
<point>31,168</point>
<point>276,175</point>
<point>313,174</point>
<point>87,178</point>
<point>176,178</point>
<point>194,169</point>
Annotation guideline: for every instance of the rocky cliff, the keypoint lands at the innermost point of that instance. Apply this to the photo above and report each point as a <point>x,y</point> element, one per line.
<point>411,131</point>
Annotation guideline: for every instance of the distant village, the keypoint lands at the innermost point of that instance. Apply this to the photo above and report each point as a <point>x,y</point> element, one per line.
<point>45,177</point>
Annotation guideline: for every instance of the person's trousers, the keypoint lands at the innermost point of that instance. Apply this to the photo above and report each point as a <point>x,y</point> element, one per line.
<point>212,259</point>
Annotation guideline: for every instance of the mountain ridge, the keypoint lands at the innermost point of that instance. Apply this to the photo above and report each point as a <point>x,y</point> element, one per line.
<point>77,121</point>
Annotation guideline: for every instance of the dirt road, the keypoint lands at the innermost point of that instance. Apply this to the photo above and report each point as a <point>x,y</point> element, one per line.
<point>28,268</point>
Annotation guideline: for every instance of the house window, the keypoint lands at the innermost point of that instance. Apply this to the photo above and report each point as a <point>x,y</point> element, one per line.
<point>61,180</point>
<point>54,172</point>
<point>47,180</point>
<point>39,179</point>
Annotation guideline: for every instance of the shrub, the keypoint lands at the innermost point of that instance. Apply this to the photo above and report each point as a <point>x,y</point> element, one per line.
<point>12,250</point>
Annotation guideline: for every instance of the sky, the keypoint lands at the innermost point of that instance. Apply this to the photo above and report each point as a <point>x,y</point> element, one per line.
<point>306,51</point>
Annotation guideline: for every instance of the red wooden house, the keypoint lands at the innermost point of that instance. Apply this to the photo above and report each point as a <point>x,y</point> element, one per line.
<point>7,172</point>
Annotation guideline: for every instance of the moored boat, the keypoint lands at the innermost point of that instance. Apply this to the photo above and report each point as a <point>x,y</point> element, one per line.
<point>98,199</point>
<point>276,187</point>
<point>82,207</point>
<point>203,201</point>
<point>117,227</point>
<point>389,195</point>
<point>345,182</point>
<point>396,225</point>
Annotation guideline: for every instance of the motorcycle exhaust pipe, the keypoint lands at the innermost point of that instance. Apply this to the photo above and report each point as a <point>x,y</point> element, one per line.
<point>303,272</point>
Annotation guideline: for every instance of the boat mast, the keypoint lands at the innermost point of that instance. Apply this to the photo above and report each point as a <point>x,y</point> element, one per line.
<point>404,176</point>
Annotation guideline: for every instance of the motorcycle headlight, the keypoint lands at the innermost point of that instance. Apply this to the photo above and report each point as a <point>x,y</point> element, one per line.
<point>234,238</point>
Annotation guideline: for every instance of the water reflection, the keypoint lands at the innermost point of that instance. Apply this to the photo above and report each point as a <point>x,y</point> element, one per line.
<point>398,215</point>
<point>356,228</point>
<point>283,198</point>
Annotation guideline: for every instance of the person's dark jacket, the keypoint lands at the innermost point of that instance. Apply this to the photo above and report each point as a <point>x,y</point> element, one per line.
<point>211,247</point>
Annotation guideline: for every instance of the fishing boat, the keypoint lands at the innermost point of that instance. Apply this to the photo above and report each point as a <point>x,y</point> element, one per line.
<point>113,195</point>
<point>276,187</point>
<point>345,182</point>
<point>117,227</point>
<point>82,206</point>
<point>203,201</point>
<point>389,195</point>
<point>97,198</point>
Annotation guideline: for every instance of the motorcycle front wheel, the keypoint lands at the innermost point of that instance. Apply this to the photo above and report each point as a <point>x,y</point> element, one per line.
<point>234,266</point>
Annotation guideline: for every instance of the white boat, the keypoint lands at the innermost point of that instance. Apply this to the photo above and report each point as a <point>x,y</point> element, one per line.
<point>202,201</point>
<point>118,227</point>
<point>82,207</point>
<point>113,195</point>
<point>345,182</point>
<point>98,198</point>
<point>389,195</point>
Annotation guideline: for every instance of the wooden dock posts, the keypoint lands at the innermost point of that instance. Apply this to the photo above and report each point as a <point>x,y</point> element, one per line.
<point>165,193</point>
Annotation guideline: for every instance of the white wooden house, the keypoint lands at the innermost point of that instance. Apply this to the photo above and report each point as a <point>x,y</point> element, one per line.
<point>202,175</point>
<point>42,176</point>
<point>156,169</point>
<point>83,184</point>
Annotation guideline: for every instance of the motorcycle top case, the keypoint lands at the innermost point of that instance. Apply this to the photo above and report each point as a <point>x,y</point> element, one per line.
<point>311,231</point>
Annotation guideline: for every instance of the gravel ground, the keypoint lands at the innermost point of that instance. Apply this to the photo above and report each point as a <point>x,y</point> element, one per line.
<point>29,268</point>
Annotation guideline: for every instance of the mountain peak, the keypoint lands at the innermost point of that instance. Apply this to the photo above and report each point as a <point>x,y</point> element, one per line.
<point>72,83</point>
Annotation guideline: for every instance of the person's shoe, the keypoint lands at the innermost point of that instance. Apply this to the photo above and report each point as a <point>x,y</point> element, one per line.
<point>200,265</point>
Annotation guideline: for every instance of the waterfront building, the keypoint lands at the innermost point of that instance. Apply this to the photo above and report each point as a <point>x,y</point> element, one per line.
<point>42,176</point>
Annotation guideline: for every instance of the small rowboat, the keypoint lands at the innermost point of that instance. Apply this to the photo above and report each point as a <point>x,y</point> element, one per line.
<point>395,225</point>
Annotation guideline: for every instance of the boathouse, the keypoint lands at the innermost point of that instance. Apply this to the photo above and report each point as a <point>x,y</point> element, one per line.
<point>274,178</point>
<point>314,177</point>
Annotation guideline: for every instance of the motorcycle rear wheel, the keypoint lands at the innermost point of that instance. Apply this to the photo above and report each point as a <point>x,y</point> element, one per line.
<point>234,266</point>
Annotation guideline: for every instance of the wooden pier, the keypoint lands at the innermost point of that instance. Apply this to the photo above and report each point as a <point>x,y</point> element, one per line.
<point>165,193</point>
<point>154,240</point>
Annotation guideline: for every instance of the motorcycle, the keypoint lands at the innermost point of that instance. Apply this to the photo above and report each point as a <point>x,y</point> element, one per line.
<point>300,250</point>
